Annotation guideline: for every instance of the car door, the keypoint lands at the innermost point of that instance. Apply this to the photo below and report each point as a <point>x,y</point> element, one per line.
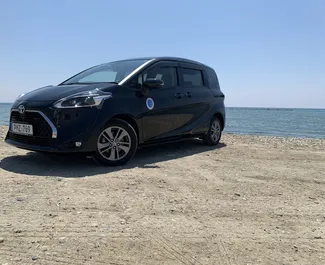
<point>197,97</point>
<point>163,110</point>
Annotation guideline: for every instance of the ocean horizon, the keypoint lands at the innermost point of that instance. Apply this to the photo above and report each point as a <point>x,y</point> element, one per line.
<point>269,121</point>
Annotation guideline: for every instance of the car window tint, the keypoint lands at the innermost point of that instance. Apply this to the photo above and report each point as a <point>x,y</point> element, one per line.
<point>166,74</point>
<point>192,77</point>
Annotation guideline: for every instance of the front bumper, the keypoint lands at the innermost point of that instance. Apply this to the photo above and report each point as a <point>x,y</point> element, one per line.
<point>55,130</point>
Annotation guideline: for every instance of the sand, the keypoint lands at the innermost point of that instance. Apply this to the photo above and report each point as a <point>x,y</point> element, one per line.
<point>251,200</point>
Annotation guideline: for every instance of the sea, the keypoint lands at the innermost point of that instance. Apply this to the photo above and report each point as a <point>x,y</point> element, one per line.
<point>284,122</point>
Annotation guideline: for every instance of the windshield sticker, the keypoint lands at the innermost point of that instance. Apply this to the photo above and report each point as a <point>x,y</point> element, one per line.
<point>150,103</point>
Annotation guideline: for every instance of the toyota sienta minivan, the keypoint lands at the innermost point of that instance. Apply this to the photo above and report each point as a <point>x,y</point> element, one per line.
<point>111,110</point>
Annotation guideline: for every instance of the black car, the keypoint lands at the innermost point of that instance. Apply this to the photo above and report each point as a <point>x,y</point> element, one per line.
<point>111,110</point>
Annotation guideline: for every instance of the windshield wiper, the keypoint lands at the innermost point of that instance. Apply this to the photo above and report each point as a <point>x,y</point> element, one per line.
<point>105,82</point>
<point>87,83</point>
<point>75,83</point>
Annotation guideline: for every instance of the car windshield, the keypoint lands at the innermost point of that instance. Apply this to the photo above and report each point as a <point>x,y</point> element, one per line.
<point>112,72</point>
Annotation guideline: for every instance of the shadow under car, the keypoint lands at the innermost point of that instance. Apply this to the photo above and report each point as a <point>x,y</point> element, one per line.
<point>74,166</point>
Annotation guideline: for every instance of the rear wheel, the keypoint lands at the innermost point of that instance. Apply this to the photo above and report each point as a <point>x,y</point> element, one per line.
<point>214,134</point>
<point>116,144</point>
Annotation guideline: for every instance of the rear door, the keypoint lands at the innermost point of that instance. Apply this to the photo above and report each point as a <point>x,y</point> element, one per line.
<point>164,112</point>
<point>198,97</point>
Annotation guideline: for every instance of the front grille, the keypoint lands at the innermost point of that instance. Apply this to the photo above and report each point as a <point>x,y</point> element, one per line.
<point>31,140</point>
<point>42,131</point>
<point>40,126</point>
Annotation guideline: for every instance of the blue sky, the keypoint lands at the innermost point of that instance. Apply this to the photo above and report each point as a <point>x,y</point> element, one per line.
<point>266,53</point>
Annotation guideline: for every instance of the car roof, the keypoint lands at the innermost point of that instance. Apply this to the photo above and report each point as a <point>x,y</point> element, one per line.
<point>168,58</point>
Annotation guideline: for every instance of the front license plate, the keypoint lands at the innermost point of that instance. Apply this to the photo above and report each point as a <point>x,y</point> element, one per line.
<point>25,129</point>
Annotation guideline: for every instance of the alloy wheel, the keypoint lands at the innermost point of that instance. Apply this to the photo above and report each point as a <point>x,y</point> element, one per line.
<point>215,131</point>
<point>114,143</point>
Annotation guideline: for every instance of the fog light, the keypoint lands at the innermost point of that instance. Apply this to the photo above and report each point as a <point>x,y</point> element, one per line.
<point>78,144</point>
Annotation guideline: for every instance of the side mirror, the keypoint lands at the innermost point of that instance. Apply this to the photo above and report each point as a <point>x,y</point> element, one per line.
<point>153,83</point>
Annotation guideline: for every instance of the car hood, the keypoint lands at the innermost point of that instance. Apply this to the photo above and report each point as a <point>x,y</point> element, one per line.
<point>54,93</point>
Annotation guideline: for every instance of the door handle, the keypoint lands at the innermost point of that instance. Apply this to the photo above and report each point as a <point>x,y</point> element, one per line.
<point>179,95</point>
<point>188,94</point>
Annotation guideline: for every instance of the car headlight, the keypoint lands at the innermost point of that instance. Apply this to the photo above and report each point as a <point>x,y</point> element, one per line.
<point>85,99</point>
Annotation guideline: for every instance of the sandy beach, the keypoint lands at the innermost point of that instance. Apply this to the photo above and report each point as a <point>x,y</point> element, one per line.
<point>250,200</point>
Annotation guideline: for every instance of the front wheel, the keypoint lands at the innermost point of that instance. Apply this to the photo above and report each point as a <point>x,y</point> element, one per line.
<point>214,134</point>
<point>116,144</point>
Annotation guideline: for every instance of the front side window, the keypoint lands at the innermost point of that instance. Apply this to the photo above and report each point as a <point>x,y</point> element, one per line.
<point>112,72</point>
<point>192,77</point>
<point>167,74</point>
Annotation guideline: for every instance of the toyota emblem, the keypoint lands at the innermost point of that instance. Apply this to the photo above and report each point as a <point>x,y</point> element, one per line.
<point>21,109</point>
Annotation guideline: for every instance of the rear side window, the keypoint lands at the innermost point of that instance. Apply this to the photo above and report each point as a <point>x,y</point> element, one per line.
<point>192,77</point>
<point>212,78</point>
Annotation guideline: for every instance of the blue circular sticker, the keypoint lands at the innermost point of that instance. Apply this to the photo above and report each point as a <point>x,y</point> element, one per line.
<point>150,103</point>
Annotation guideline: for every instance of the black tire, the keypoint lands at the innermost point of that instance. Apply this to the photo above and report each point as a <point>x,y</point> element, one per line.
<point>213,135</point>
<point>111,142</point>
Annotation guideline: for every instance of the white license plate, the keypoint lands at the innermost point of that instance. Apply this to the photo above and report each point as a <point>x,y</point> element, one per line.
<point>26,129</point>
